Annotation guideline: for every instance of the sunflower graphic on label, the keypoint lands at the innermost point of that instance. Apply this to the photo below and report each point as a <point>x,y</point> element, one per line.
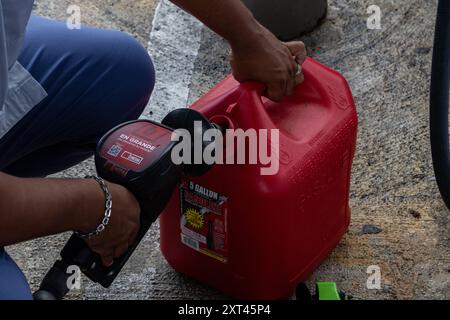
<point>194,218</point>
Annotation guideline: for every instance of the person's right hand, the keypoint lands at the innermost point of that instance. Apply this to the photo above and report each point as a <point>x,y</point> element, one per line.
<point>266,59</point>
<point>122,229</point>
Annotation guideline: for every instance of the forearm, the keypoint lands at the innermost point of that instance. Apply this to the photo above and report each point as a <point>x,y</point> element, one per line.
<point>229,18</point>
<point>33,208</point>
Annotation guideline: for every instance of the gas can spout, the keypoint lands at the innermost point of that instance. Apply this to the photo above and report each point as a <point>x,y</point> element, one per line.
<point>222,129</point>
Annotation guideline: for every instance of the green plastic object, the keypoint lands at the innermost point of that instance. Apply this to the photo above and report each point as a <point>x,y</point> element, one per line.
<point>327,291</point>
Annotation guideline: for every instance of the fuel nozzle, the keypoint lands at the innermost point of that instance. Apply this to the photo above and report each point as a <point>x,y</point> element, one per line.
<point>196,124</point>
<point>138,156</point>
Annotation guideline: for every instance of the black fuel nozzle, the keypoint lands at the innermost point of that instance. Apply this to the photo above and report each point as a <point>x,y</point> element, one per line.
<point>137,155</point>
<point>196,124</point>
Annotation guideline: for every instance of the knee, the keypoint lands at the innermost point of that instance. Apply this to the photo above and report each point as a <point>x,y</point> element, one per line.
<point>134,64</point>
<point>135,70</point>
<point>130,74</point>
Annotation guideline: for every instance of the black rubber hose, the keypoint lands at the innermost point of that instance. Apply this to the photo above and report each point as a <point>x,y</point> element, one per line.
<point>54,285</point>
<point>439,96</point>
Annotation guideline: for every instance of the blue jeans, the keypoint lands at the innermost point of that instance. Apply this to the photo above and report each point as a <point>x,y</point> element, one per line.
<point>95,80</point>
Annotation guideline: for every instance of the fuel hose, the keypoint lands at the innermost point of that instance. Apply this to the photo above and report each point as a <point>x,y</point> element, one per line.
<point>439,101</point>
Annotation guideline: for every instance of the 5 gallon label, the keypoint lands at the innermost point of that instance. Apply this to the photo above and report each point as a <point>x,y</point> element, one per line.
<point>204,220</point>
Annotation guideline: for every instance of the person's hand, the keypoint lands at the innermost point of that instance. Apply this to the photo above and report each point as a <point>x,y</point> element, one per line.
<point>122,229</point>
<point>270,61</point>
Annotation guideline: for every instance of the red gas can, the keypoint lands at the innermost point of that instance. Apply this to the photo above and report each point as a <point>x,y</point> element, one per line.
<point>253,236</point>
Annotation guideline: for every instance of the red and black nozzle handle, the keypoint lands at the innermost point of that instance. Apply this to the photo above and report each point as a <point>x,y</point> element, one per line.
<point>137,155</point>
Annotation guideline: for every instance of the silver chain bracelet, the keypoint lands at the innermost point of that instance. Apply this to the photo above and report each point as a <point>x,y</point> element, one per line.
<point>108,209</point>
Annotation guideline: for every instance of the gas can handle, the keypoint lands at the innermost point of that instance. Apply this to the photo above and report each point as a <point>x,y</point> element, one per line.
<point>250,106</point>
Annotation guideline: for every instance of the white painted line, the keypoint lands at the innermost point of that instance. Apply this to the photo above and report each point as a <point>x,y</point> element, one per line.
<point>174,44</point>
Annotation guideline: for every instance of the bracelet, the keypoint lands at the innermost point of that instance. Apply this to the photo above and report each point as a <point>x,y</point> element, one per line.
<point>108,208</point>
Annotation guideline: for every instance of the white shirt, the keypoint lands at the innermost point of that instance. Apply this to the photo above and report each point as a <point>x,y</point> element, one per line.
<point>19,91</point>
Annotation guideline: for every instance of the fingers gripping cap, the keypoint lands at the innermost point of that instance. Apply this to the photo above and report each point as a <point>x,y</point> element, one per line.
<point>187,119</point>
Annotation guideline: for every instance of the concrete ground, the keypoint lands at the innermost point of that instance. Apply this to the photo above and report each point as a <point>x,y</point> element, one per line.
<point>399,222</point>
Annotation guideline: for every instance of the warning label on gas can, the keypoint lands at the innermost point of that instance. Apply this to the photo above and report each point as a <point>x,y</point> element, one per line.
<point>204,220</point>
